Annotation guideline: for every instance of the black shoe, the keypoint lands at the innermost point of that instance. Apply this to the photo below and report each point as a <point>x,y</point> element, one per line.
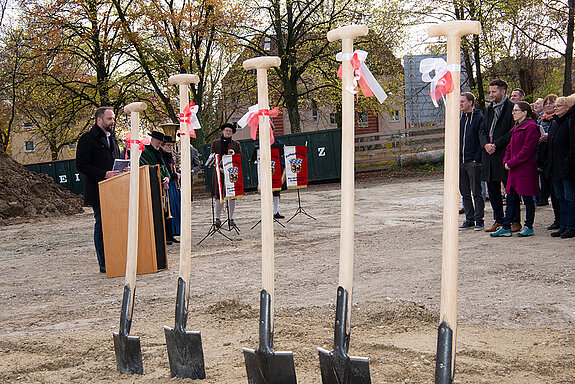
<point>218,223</point>
<point>555,225</point>
<point>168,242</point>
<point>542,203</point>
<point>569,233</point>
<point>174,240</point>
<point>102,269</point>
<point>461,211</point>
<point>467,225</point>
<point>232,223</point>
<point>558,233</point>
<point>279,216</point>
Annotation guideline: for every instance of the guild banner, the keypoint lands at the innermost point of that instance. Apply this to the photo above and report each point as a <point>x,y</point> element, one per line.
<point>296,166</point>
<point>276,170</point>
<point>233,178</point>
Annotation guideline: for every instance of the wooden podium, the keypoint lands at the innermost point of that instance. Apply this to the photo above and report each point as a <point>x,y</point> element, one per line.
<point>114,196</point>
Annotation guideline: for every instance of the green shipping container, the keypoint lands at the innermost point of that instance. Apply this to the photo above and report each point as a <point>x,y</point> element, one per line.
<point>63,172</point>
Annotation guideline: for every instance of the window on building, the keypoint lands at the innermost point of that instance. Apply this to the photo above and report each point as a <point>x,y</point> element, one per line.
<point>29,146</point>
<point>314,111</point>
<point>362,119</point>
<point>394,116</point>
<point>333,118</point>
<point>267,44</point>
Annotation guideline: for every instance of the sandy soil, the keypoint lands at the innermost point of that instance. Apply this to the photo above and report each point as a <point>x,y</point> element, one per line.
<point>516,296</point>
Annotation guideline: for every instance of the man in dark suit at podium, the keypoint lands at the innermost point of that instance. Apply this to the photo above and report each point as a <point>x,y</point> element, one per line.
<point>95,156</point>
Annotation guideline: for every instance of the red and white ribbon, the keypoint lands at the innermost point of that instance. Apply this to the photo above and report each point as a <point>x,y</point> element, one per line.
<point>442,82</point>
<point>141,143</point>
<point>251,118</point>
<point>362,76</point>
<point>189,116</point>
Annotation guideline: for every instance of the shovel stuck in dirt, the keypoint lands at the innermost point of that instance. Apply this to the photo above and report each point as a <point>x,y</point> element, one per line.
<point>337,367</point>
<point>264,366</point>
<point>447,331</point>
<point>185,348</point>
<point>127,348</point>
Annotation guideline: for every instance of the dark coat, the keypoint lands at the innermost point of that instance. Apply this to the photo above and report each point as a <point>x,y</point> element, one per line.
<point>94,157</point>
<point>171,164</point>
<point>492,165</point>
<point>520,156</point>
<point>153,156</point>
<point>220,148</point>
<point>470,148</point>
<point>561,147</point>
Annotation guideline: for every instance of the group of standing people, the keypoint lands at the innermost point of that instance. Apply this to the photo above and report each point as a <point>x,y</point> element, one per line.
<point>531,153</point>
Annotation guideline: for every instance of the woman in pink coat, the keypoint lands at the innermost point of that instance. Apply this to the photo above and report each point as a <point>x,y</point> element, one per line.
<point>521,163</point>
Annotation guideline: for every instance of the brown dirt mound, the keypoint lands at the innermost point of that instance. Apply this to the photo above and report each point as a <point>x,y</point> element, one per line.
<point>231,309</point>
<point>28,195</point>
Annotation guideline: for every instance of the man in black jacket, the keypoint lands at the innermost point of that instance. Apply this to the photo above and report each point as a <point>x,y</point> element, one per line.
<point>494,135</point>
<point>470,162</point>
<point>95,156</point>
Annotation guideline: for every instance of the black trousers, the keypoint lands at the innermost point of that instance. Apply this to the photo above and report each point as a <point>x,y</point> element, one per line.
<point>470,189</point>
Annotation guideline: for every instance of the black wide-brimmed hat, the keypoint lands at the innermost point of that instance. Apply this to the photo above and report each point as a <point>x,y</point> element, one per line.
<point>228,125</point>
<point>168,139</point>
<point>157,135</point>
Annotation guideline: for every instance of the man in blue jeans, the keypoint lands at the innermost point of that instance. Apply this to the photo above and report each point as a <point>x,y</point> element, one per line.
<point>470,163</point>
<point>95,156</point>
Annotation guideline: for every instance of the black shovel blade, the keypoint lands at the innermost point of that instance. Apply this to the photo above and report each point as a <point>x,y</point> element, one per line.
<point>185,354</point>
<point>128,354</point>
<point>269,368</point>
<point>343,369</point>
<point>443,366</point>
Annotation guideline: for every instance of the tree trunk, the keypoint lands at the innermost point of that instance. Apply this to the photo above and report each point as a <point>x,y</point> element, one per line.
<point>293,110</point>
<point>102,87</point>
<point>568,73</point>
<point>290,96</point>
<point>467,61</point>
<point>480,103</point>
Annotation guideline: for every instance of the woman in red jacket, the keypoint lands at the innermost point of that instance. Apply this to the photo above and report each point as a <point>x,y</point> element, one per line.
<point>521,164</point>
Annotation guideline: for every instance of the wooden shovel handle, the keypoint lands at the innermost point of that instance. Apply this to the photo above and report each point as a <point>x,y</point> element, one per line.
<point>450,255</point>
<point>183,80</point>
<point>133,205</point>
<point>135,107</point>
<point>264,62</point>
<point>455,28</point>
<point>348,32</point>
<point>261,64</point>
<point>347,227</point>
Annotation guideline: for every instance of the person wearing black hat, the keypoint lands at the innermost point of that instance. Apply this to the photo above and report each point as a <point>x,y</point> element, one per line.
<point>152,156</point>
<point>172,224</point>
<point>225,145</point>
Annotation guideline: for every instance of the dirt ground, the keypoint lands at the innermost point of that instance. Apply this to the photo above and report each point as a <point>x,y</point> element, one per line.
<point>516,304</point>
